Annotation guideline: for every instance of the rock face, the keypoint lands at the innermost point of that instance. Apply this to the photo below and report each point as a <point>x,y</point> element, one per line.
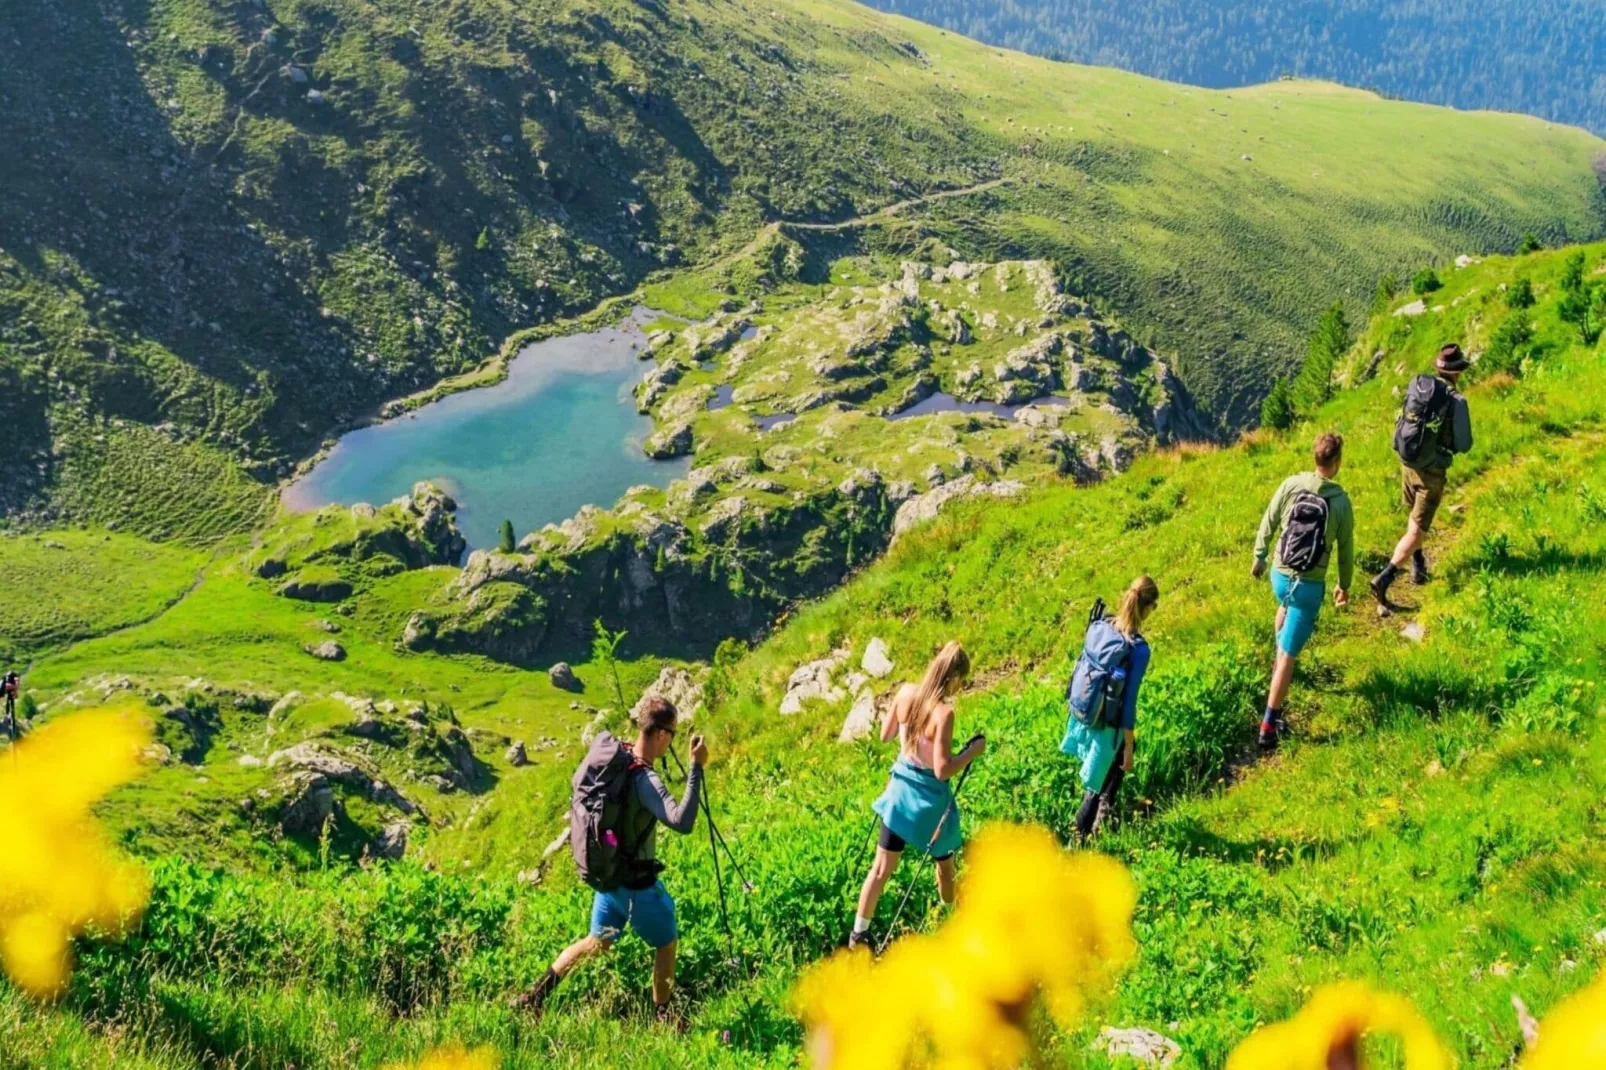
<point>673,442</point>
<point>309,801</point>
<point>391,843</point>
<point>563,677</point>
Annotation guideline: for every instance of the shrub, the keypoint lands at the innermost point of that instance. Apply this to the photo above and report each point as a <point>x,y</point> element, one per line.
<point>1328,343</point>
<point>1277,411</point>
<point>1507,346</point>
<point>1520,295</point>
<point>1387,287</point>
<point>1425,282</point>
<point>1530,244</point>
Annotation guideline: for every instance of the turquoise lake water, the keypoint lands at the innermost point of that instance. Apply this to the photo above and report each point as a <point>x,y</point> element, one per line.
<point>560,432</point>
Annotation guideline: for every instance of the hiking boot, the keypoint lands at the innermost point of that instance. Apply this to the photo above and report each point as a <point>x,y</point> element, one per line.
<point>1272,734</point>
<point>665,1014</point>
<point>860,941</point>
<point>1419,569</point>
<point>533,999</point>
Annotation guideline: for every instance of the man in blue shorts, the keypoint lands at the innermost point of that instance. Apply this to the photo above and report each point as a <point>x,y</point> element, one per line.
<point>641,902</point>
<point>1315,517</point>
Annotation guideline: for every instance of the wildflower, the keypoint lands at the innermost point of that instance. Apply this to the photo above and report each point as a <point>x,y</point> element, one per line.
<point>452,1057</point>
<point>58,875</point>
<point>1327,1032</point>
<point>1032,922</point>
<point>1573,1036</point>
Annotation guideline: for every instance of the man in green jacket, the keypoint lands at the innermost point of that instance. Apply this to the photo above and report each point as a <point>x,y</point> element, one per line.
<point>1315,516</point>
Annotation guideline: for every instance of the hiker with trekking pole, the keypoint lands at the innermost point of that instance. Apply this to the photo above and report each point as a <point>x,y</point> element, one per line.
<point>617,806</point>
<point>1315,517</point>
<point>918,806</point>
<point>1433,426</point>
<point>1102,701</point>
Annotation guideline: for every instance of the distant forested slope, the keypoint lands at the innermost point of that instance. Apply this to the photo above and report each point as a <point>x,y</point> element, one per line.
<point>1546,58</point>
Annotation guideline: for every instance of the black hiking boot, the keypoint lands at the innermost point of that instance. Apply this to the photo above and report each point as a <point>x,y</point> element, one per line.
<point>860,941</point>
<point>1419,568</point>
<point>1272,734</point>
<point>1380,591</point>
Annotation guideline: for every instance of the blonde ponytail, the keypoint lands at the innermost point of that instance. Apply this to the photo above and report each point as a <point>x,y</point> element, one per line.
<point>1140,598</point>
<point>951,663</point>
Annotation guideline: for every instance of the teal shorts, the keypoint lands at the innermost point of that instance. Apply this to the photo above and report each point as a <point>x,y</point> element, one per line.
<point>1303,600</point>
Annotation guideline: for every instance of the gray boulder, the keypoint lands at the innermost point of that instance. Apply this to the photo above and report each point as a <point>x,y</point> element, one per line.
<point>328,650</point>
<point>391,842</point>
<point>563,677</point>
<point>517,756</point>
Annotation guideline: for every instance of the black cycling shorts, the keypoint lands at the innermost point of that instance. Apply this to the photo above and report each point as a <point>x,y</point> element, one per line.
<point>894,843</point>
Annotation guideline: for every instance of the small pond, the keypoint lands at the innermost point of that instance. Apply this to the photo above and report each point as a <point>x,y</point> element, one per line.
<point>561,431</point>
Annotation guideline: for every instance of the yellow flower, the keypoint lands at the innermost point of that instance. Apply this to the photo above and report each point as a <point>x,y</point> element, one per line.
<point>58,876</point>
<point>452,1057</point>
<point>1032,922</point>
<point>1327,1032</point>
<point>1573,1036</point>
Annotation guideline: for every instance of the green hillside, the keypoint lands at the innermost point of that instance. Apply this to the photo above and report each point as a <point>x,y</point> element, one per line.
<point>1434,827</point>
<point>241,226</point>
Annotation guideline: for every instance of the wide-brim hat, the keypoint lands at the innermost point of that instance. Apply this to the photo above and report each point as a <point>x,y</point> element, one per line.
<point>1451,360</point>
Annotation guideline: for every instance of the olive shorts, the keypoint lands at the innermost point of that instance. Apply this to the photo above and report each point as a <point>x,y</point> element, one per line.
<point>1422,490</point>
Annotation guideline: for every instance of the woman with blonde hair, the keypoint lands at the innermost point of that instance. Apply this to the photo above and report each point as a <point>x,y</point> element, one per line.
<point>918,805</point>
<point>1102,700</point>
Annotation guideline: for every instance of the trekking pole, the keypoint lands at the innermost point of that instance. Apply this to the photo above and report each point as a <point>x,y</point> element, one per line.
<point>717,836</point>
<point>953,808</point>
<point>864,842</point>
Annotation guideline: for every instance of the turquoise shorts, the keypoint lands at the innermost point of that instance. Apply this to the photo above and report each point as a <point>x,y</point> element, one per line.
<point>1303,600</point>
<point>1097,747</point>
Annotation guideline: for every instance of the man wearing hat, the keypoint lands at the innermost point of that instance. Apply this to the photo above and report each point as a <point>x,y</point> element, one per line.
<point>1433,427</point>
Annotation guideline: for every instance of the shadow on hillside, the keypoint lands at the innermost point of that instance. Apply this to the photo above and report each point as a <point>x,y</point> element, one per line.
<point>1271,853</point>
<point>1423,689</point>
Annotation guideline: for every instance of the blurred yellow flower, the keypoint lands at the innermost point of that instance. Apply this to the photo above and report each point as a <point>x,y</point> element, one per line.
<point>1328,1030</point>
<point>1032,921</point>
<point>58,876</point>
<point>452,1057</point>
<point>1573,1036</point>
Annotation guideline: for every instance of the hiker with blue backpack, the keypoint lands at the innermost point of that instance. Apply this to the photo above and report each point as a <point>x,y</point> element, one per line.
<point>1433,426</point>
<point>1315,517</point>
<point>1102,701</point>
<point>617,804</point>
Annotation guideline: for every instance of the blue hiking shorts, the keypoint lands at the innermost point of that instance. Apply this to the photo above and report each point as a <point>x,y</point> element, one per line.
<point>1303,600</point>
<point>650,911</point>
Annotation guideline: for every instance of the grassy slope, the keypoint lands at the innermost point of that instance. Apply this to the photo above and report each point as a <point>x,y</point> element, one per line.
<point>190,241</point>
<point>1401,838</point>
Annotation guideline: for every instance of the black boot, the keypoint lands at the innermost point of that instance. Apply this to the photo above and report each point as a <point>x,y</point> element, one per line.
<point>1086,815</point>
<point>1106,818</point>
<point>1419,568</point>
<point>1380,585</point>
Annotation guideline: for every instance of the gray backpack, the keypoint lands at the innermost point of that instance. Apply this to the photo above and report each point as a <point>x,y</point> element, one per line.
<point>606,827</point>
<point>1098,683</point>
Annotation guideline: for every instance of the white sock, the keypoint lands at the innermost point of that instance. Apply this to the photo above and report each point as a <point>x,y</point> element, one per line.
<point>861,924</point>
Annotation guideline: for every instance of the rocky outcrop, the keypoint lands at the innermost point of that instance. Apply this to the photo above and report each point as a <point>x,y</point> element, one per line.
<point>309,758</point>
<point>813,682</point>
<point>671,442</point>
<point>1143,1045</point>
<point>682,688</point>
<point>391,843</point>
<point>921,508</point>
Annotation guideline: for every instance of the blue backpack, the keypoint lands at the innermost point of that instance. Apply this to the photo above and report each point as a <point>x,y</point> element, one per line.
<point>1098,682</point>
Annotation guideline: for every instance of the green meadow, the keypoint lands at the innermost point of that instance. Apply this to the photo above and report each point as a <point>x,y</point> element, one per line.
<point>1433,827</point>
